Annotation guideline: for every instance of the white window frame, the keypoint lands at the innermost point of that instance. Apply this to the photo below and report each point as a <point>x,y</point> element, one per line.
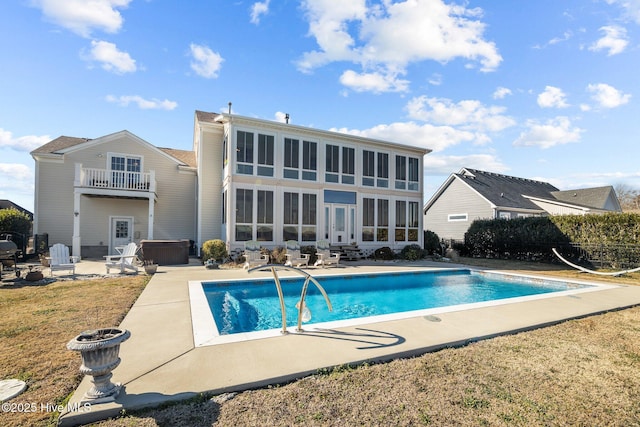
<point>454,217</point>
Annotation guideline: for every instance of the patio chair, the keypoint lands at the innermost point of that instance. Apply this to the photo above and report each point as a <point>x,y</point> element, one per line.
<point>294,257</point>
<point>325,256</point>
<point>124,261</point>
<point>252,255</point>
<point>59,259</point>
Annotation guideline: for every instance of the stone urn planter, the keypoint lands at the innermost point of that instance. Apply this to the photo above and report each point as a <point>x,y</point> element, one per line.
<point>100,355</point>
<point>150,269</point>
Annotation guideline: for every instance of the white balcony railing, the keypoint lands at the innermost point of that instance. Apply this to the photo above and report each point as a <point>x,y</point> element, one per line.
<point>115,180</point>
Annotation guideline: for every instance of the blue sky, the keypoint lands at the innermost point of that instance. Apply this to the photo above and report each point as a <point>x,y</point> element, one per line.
<point>541,89</point>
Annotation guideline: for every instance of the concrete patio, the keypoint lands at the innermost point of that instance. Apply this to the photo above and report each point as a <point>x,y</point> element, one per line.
<point>160,362</point>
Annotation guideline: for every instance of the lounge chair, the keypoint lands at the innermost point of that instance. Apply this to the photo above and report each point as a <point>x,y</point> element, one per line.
<point>325,256</point>
<point>124,261</point>
<point>59,259</point>
<point>294,257</point>
<point>252,255</point>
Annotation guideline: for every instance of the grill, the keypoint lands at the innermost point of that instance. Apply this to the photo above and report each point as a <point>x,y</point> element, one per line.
<point>8,251</point>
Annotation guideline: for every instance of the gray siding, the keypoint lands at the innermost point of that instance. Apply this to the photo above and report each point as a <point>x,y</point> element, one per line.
<point>457,198</point>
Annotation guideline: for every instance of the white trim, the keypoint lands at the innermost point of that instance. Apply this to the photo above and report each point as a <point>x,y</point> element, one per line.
<point>451,218</point>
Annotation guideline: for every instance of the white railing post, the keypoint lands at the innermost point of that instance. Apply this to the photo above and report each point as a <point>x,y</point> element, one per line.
<point>77,180</point>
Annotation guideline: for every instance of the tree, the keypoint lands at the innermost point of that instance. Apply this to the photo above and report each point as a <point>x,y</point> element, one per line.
<point>629,197</point>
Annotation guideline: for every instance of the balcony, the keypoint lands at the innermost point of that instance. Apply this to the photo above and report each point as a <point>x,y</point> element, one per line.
<point>112,183</point>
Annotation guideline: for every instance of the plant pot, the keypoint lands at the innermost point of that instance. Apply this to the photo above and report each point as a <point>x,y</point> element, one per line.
<point>151,269</point>
<point>100,355</point>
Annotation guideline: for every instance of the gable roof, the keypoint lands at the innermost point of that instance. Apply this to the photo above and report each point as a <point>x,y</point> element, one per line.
<point>503,190</point>
<point>597,197</point>
<point>63,144</point>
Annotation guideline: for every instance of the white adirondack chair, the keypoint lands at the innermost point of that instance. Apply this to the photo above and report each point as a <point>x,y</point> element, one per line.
<point>59,259</point>
<point>124,261</point>
<point>294,257</point>
<point>325,257</point>
<point>252,255</point>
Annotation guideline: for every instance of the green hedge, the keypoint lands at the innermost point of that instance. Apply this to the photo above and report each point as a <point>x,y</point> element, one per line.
<point>611,228</point>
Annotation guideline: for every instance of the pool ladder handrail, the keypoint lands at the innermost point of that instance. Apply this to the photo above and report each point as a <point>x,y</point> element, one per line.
<point>303,293</point>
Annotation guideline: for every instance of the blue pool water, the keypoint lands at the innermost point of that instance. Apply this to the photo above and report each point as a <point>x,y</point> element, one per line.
<point>253,305</point>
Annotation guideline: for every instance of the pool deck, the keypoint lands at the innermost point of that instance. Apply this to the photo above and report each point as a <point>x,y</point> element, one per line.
<point>160,362</point>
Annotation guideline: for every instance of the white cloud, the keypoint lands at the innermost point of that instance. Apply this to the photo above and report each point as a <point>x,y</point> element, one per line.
<point>614,41</point>
<point>435,164</point>
<point>206,63</point>
<point>82,16</point>
<point>143,104</point>
<point>373,82</point>
<point>631,8</point>
<point>607,96</point>
<point>22,143</point>
<point>385,35</point>
<point>258,9</point>
<point>435,138</point>
<point>501,92</point>
<point>110,58</point>
<point>467,114</point>
<point>553,132</point>
<point>17,184</point>
<point>552,97</point>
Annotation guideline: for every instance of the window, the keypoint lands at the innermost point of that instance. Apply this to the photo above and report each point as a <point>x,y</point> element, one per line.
<point>291,158</point>
<point>309,217</point>
<point>265,216</point>
<point>125,171</point>
<point>457,217</point>
<point>348,165</point>
<point>368,219</point>
<point>414,221</point>
<point>382,231</point>
<point>290,217</point>
<point>333,163</point>
<point>309,160</point>
<point>401,220</point>
<point>244,153</point>
<point>265,155</point>
<point>383,170</point>
<point>414,176</point>
<point>368,168</point>
<point>224,207</point>
<point>401,172</point>
<point>244,215</point>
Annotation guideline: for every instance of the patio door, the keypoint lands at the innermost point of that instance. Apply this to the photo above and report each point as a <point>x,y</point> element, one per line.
<point>121,233</point>
<point>338,224</point>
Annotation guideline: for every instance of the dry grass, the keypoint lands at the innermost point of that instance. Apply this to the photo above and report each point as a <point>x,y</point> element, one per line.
<point>581,372</point>
<point>36,324</point>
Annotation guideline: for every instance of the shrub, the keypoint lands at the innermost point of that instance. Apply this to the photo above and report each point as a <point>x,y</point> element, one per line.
<point>216,249</point>
<point>384,253</point>
<point>278,255</point>
<point>311,250</point>
<point>412,252</point>
<point>432,243</point>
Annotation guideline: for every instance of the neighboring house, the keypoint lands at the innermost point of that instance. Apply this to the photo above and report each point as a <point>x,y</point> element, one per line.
<point>96,194</point>
<point>246,179</point>
<point>473,194</point>
<point>273,182</point>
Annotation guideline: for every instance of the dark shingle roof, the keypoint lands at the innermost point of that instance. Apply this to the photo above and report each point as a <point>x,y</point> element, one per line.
<point>504,190</point>
<point>8,204</point>
<point>184,156</point>
<point>596,197</point>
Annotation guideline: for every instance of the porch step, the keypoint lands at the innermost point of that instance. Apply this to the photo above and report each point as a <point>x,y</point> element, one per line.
<point>348,252</point>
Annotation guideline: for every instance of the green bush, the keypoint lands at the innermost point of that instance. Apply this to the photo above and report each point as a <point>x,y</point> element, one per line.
<point>384,253</point>
<point>412,252</point>
<point>214,249</point>
<point>278,255</point>
<point>311,251</point>
<point>432,243</point>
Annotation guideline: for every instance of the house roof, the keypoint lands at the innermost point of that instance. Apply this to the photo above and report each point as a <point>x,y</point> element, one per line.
<point>505,191</point>
<point>62,143</point>
<point>596,197</point>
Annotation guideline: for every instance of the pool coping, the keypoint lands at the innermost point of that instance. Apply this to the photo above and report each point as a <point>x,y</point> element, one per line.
<point>161,363</point>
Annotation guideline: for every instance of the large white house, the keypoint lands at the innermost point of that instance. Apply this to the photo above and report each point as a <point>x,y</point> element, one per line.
<point>246,179</point>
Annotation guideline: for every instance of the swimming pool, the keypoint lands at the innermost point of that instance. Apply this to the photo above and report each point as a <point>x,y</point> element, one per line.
<point>229,311</point>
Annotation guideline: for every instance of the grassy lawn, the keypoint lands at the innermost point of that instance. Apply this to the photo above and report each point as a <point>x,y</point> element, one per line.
<point>36,322</point>
<point>579,372</point>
